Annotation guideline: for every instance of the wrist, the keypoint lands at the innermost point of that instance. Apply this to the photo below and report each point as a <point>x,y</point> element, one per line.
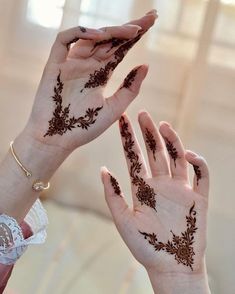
<point>40,159</point>
<point>178,282</point>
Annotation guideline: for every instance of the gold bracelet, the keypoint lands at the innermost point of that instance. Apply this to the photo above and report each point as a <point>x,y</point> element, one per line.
<point>38,185</point>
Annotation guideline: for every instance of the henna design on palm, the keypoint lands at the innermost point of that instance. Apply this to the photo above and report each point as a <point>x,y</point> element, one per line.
<point>61,122</point>
<point>100,77</point>
<point>151,142</point>
<point>115,185</point>
<point>145,194</point>
<point>197,173</point>
<point>180,246</point>
<point>171,150</point>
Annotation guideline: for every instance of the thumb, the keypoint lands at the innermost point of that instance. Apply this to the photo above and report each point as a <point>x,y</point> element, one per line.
<point>113,195</point>
<point>129,89</point>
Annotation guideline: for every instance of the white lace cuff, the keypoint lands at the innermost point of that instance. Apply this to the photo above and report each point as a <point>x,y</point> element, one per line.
<point>12,242</point>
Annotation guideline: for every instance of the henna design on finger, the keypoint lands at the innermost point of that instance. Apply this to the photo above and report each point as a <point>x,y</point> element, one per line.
<point>100,77</point>
<point>82,29</point>
<point>197,173</point>
<point>130,78</point>
<point>180,246</point>
<point>61,122</point>
<point>171,150</point>
<point>115,185</point>
<point>71,42</point>
<point>151,142</point>
<point>145,194</point>
<point>115,42</point>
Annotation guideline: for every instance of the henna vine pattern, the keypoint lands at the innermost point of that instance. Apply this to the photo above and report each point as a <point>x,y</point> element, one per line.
<point>197,173</point>
<point>130,78</point>
<point>151,142</point>
<point>180,246</point>
<point>171,150</point>
<point>145,194</point>
<point>100,77</point>
<point>115,42</point>
<point>115,185</point>
<point>61,122</point>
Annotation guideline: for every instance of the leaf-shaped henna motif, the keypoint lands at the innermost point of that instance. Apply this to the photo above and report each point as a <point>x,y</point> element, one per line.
<point>197,173</point>
<point>61,122</point>
<point>171,150</point>
<point>151,142</point>
<point>100,77</point>
<point>115,185</point>
<point>180,246</point>
<point>130,78</point>
<point>145,194</point>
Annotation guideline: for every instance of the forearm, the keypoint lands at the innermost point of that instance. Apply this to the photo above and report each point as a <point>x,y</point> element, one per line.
<point>17,195</point>
<point>179,283</point>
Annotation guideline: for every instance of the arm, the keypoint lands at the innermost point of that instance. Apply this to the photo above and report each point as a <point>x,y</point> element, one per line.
<point>166,228</point>
<point>70,109</point>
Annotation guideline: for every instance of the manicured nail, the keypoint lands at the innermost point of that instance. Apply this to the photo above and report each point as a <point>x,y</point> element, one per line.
<point>192,154</point>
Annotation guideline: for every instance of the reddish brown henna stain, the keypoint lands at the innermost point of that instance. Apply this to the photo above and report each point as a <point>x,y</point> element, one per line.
<point>82,29</point>
<point>145,194</point>
<point>130,78</point>
<point>113,41</point>
<point>180,246</point>
<point>115,185</point>
<point>171,150</point>
<point>61,122</point>
<point>100,77</point>
<point>151,142</point>
<point>197,173</point>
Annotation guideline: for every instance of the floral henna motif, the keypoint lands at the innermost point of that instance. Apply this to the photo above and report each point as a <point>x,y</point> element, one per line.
<point>151,142</point>
<point>130,78</point>
<point>145,194</point>
<point>115,185</point>
<point>180,246</point>
<point>197,173</point>
<point>100,77</point>
<point>171,150</point>
<point>61,122</point>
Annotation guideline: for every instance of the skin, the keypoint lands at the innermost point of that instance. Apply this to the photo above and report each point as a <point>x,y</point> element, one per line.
<point>43,155</point>
<point>174,197</point>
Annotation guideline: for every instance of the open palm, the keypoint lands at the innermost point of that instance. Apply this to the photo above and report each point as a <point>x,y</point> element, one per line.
<point>166,229</point>
<point>70,109</point>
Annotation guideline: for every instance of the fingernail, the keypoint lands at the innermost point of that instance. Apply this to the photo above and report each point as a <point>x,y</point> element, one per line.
<point>153,11</point>
<point>103,171</point>
<point>191,153</point>
<point>134,26</point>
<point>165,123</point>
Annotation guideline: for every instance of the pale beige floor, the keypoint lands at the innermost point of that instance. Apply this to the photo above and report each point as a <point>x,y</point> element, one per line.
<point>84,253</point>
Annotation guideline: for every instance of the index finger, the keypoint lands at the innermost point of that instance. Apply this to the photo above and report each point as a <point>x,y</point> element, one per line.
<point>64,39</point>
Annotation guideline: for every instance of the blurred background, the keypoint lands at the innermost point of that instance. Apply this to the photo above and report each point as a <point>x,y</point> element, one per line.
<point>191,84</point>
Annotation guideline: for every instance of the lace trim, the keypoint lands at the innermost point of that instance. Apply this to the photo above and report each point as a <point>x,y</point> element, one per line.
<point>12,242</point>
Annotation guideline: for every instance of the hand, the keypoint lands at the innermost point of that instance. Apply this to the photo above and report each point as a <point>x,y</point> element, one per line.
<point>70,108</point>
<point>166,228</point>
